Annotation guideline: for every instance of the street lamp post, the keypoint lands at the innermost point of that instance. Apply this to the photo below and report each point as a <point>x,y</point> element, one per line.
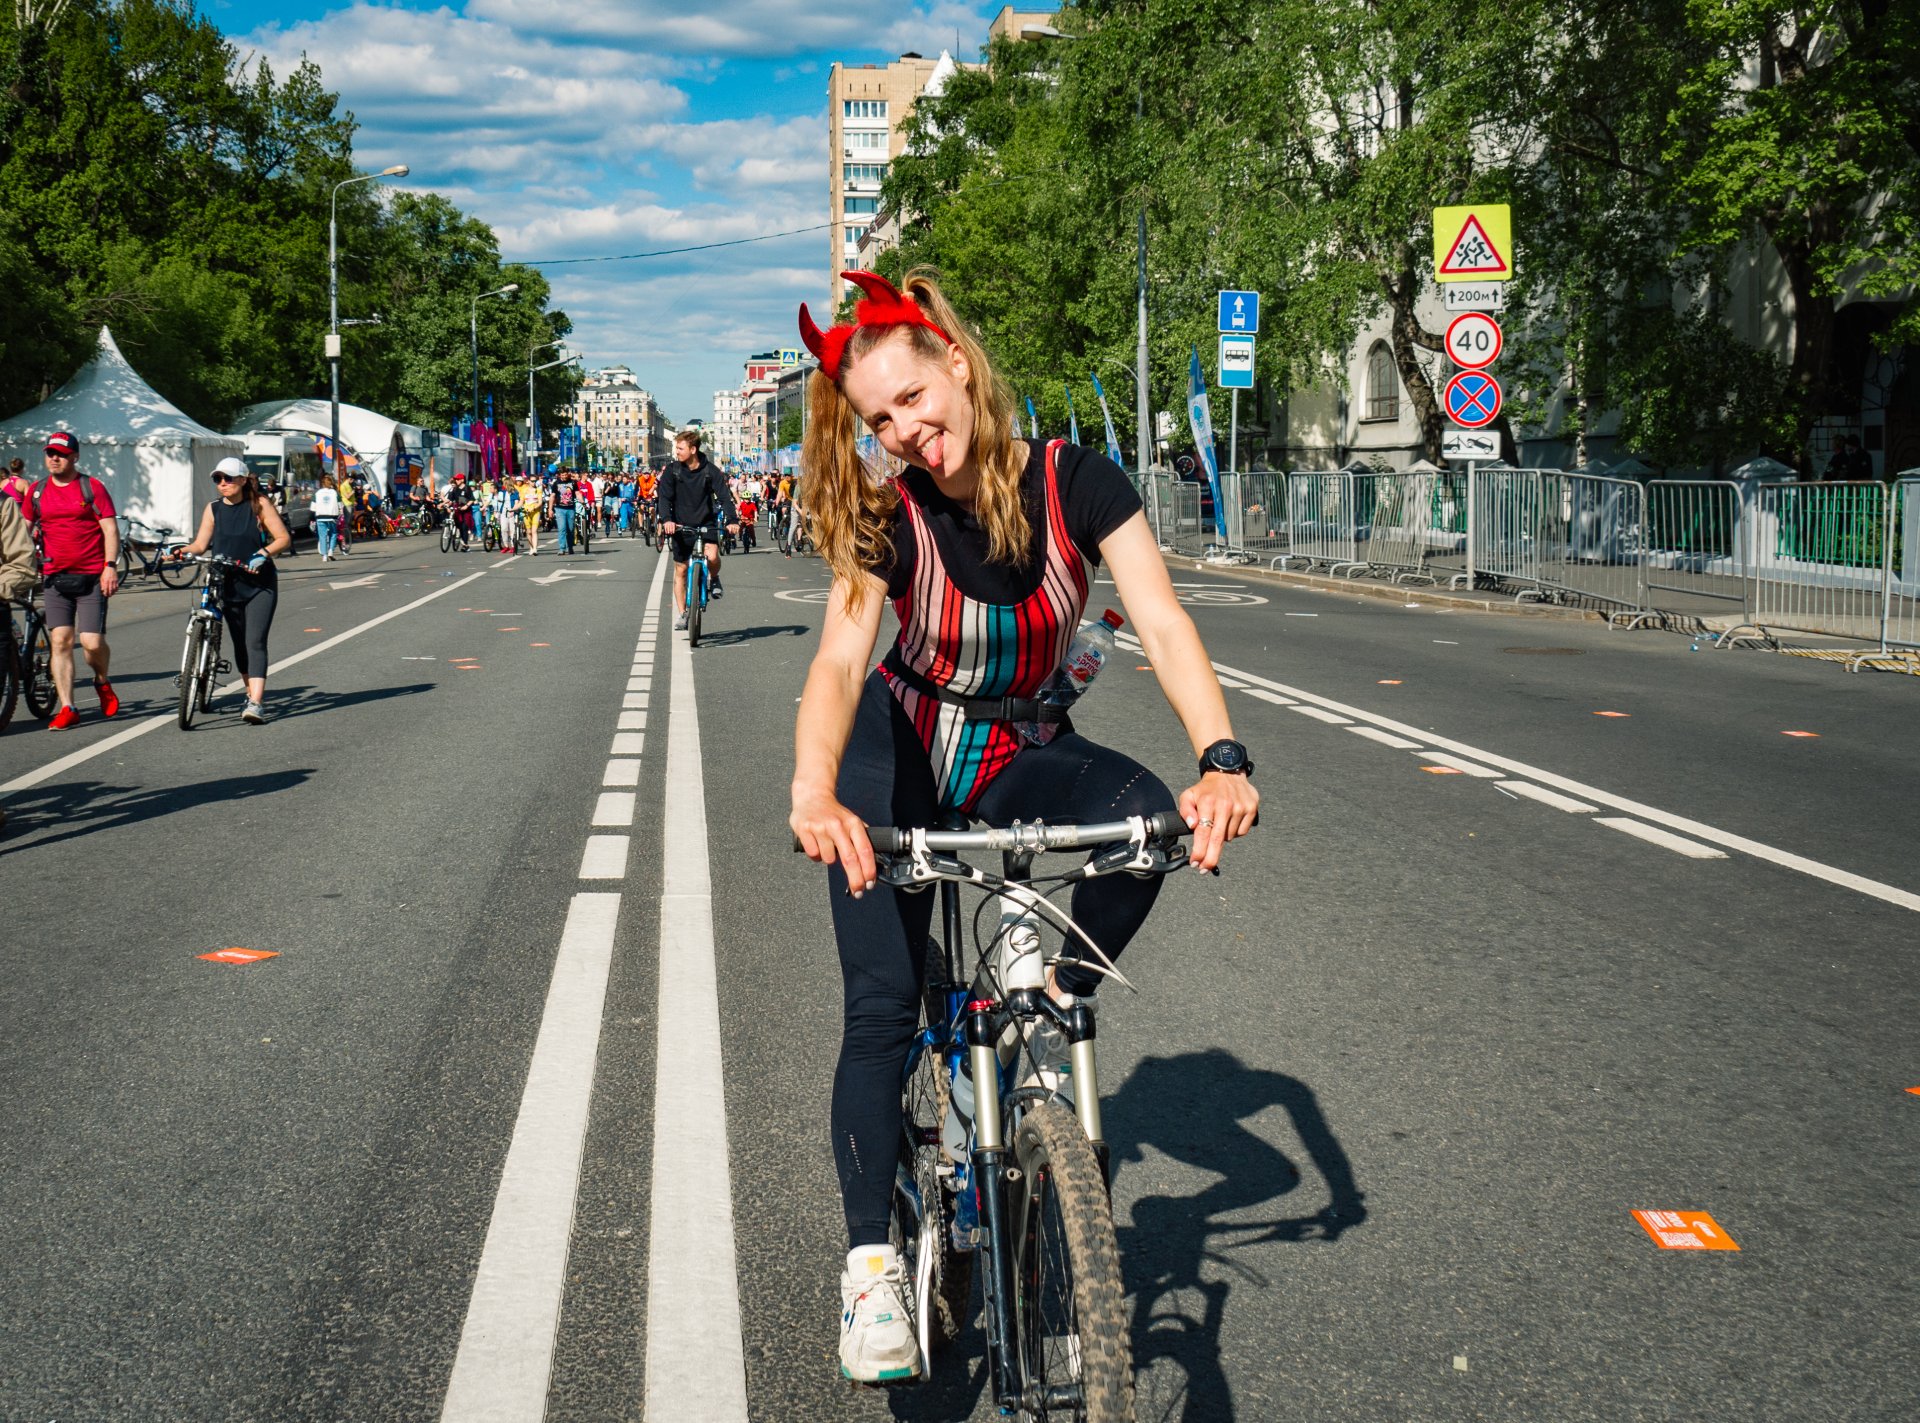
<point>399,170</point>
<point>533,411</point>
<point>473,329</point>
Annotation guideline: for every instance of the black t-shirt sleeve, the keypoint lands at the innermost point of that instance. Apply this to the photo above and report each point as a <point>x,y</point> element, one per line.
<point>1095,495</point>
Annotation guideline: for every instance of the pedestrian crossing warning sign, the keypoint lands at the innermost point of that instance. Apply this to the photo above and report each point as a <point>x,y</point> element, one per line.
<point>1473,243</point>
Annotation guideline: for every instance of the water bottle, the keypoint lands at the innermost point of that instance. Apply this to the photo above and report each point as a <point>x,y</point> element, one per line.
<point>958,1127</point>
<point>1092,645</point>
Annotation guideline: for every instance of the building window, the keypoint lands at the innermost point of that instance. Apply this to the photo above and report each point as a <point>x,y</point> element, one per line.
<point>865,138</point>
<point>864,173</point>
<point>1383,384</point>
<point>854,234</point>
<point>860,207</point>
<point>863,108</point>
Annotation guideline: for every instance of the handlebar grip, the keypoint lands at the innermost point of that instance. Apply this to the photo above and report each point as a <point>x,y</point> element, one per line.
<point>1167,822</point>
<point>887,840</point>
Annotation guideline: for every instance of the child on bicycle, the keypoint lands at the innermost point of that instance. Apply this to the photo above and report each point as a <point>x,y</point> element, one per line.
<point>985,545</point>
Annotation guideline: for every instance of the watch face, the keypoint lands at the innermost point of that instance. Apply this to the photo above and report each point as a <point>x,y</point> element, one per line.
<point>1227,755</point>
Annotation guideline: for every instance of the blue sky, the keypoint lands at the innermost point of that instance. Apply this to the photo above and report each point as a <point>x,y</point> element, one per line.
<point>583,128</point>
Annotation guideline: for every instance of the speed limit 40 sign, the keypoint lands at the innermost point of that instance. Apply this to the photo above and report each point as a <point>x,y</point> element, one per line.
<point>1474,340</point>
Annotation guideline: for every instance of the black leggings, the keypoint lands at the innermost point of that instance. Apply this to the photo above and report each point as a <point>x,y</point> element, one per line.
<point>248,622</point>
<point>885,779</point>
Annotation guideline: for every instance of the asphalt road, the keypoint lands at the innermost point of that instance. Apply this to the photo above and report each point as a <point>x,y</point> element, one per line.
<point>1390,1091</point>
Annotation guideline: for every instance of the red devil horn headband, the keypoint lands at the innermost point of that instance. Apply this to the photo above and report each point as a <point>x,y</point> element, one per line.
<point>884,306</point>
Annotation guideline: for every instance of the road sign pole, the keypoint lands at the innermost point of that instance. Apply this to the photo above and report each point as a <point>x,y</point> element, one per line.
<point>1233,435</point>
<point>1472,529</point>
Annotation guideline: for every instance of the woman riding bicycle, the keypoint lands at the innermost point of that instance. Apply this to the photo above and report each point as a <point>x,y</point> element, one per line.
<point>243,525</point>
<point>985,546</point>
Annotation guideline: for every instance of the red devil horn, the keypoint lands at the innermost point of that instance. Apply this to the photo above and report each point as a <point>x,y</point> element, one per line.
<point>875,286</point>
<point>811,334</point>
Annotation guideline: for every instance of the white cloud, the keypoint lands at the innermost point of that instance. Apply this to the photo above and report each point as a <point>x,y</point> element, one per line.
<point>765,28</point>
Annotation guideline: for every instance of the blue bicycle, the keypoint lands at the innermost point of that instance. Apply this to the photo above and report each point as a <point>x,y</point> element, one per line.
<point>697,576</point>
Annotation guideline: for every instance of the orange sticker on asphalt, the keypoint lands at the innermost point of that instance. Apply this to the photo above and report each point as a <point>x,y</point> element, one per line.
<point>309,629</point>
<point>1684,1230</point>
<point>1385,683</point>
<point>468,667</point>
<point>1812,734</point>
<point>239,956</point>
<point>539,644</point>
<point>1443,770</point>
<point>1915,1091</point>
<point>1143,668</point>
<point>1613,713</point>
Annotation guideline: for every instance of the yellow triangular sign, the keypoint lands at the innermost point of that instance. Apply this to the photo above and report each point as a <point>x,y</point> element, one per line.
<point>1472,243</point>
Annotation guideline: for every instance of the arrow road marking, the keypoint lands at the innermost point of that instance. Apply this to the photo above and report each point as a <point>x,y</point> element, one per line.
<point>560,575</point>
<point>366,582</point>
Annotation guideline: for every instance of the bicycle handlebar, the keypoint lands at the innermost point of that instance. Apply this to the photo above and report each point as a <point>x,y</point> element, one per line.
<point>1038,836</point>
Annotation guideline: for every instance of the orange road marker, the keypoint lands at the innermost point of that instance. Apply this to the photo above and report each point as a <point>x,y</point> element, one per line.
<point>512,629</point>
<point>468,667</point>
<point>1385,683</point>
<point>1443,770</point>
<point>1684,1230</point>
<point>1613,713</point>
<point>1915,1091</point>
<point>309,629</point>
<point>1143,667</point>
<point>1811,735</point>
<point>539,644</point>
<point>240,958</point>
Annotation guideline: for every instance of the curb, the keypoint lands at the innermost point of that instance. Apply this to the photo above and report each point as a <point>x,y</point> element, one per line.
<point>1430,597</point>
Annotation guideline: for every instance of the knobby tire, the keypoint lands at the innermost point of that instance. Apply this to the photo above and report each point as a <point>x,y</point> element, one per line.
<point>42,696</point>
<point>1067,1273</point>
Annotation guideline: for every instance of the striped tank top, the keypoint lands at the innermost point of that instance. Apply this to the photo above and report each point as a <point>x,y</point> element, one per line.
<point>977,649</point>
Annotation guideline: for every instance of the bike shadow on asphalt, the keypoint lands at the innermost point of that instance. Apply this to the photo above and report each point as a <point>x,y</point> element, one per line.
<point>735,636</point>
<point>1182,1256</point>
<point>83,808</point>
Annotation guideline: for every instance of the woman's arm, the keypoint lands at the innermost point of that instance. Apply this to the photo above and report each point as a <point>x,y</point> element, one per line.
<point>1220,807</point>
<point>201,539</point>
<point>278,539</point>
<point>827,830</point>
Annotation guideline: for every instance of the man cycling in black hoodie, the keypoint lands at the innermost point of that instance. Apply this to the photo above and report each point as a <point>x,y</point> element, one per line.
<point>692,494</point>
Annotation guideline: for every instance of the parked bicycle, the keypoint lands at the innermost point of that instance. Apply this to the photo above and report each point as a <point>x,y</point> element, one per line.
<point>148,550</point>
<point>200,659</point>
<point>1010,1182</point>
<point>26,662</point>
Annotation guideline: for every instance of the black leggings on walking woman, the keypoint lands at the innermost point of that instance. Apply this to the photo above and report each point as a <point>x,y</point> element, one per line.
<point>249,619</point>
<point>885,779</point>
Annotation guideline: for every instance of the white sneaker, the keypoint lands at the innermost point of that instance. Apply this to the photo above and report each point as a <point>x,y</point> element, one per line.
<point>878,1343</point>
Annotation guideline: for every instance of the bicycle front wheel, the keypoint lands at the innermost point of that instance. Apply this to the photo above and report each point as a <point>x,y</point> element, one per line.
<point>37,685</point>
<point>447,537</point>
<point>1069,1311</point>
<point>189,701</point>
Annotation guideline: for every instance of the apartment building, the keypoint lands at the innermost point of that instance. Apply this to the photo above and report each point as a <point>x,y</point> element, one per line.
<point>726,440</point>
<point>621,418</point>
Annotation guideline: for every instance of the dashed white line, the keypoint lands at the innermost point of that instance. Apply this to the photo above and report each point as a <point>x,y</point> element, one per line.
<point>1264,695</point>
<point>505,1359</point>
<point>605,857</point>
<point>632,721</point>
<point>1471,768</point>
<point>1653,835</point>
<point>634,699</point>
<point>1331,718</point>
<point>1385,738</point>
<point>1547,797</point>
<point>614,808</point>
<point>621,772</point>
<point>628,743</point>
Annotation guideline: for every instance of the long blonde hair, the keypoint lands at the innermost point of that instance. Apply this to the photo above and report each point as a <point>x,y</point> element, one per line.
<point>852,511</point>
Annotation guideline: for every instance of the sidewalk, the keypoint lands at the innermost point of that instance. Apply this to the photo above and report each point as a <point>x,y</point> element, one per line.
<point>1425,595</point>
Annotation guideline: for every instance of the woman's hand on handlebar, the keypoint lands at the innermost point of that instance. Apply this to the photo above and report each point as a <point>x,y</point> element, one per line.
<point>831,834</point>
<point>1220,808</point>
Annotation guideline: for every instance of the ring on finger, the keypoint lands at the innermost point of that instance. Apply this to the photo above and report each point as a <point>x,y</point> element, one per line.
<point>1207,824</point>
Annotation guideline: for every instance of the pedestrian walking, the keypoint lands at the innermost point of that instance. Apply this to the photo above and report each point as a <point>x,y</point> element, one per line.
<point>326,517</point>
<point>243,525</point>
<point>80,539</point>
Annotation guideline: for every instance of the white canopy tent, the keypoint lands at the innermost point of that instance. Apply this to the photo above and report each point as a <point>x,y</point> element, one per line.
<point>155,461</point>
<point>368,434</point>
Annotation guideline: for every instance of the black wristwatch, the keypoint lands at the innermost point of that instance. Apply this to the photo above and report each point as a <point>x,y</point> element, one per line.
<point>1228,756</point>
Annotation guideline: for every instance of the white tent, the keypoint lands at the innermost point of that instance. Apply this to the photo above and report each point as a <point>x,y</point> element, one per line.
<point>368,434</point>
<point>155,461</point>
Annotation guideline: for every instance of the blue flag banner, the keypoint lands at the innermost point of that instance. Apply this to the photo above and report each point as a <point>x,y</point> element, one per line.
<point>1033,421</point>
<point>1200,416</point>
<point>1073,420</point>
<point>1113,445</point>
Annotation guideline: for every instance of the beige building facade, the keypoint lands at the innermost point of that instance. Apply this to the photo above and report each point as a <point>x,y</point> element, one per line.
<point>621,418</point>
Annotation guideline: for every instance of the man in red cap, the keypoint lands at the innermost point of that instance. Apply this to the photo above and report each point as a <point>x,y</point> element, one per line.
<point>81,540</point>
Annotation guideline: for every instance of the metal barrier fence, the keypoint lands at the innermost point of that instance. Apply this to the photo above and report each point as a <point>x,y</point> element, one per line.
<point>1321,523</point>
<point>1696,546</point>
<point>1900,621</point>
<point>1394,514</point>
<point>1817,557</point>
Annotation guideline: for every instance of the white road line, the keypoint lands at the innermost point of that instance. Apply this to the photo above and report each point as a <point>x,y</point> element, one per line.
<point>1264,695</point>
<point>1653,835</point>
<point>621,773</point>
<point>510,558</point>
<point>633,721</point>
<point>634,700</point>
<point>614,808</point>
<point>503,1367</point>
<point>640,684</point>
<point>1472,768</point>
<point>695,1363</point>
<point>1385,738</point>
<point>1546,797</point>
<point>605,857</point>
<point>1231,685</point>
<point>1331,718</point>
<point>279,665</point>
<point>628,743</point>
<point>1786,859</point>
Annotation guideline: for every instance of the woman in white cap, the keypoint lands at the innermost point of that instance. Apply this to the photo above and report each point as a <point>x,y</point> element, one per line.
<point>243,525</point>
